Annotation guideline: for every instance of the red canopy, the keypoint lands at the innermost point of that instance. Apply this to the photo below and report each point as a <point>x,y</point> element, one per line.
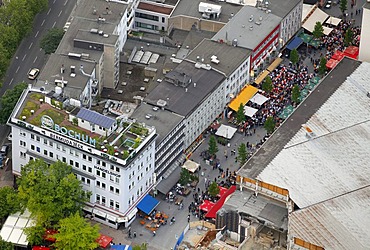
<point>338,55</point>
<point>104,240</point>
<point>351,51</point>
<point>213,211</point>
<point>40,248</point>
<point>222,191</point>
<point>206,205</point>
<point>49,235</point>
<point>331,63</point>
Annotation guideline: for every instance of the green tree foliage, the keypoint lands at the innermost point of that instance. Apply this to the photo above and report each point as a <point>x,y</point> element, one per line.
<point>4,60</point>
<point>213,189</point>
<point>318,31</point>
<point>322,66</point>
<point>8,101</point>
<point>242,154</point>
<point>9,202</point>
<point>76,233</point>
<point>5,245</point>
<point>35,234</point>
<point>143,246</point>
<point>9,38</point>
<point>212,145</point>
<point>51,40</point>
<point>269,124</point>
<point>267,84</point>
<point>348,37</point>
<point>50,193</point>
<point>240,116</point>
<point>294,57</point>
<point>343,6</point>
<point>185,177</point>
<point>296,93</point>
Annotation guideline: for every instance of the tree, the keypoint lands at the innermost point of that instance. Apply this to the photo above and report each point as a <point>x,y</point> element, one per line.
<point>50,193</point>
<point>322,66</point>
<point>9,38</point>
<point>267,84</point>
<point>6,245</point>
<point>213,189</point>
<point>9,202</point>
<point>296,93</point>
<point>318,31</point>
<point>8,101</point>
<point>185,177</point>
<point>348,37</point>
<point>343,7</point>
<point>35,234</point>
<point>212,146</point>
<point>242,154</point>
<point>76,233</point>
<point>143,246</point>
<point>50,42</point>
<point>240,116</point>
<point>269,125</point>
<point>294,56</point>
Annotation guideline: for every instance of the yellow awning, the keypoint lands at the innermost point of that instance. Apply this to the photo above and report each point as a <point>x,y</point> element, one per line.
<point>261,77</point>
<point>244,96</point>
<point>274,64</point>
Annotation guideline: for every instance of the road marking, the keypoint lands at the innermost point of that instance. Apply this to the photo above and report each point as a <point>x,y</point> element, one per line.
<point>48,12</point>
<point>30,46</point>
<point>60,13</point>
<point>11,81</point>
<point>35,59</point>
<point>24,57</point>
<point>43,22</point>
<point>65,3</point>
<point>54,24</point>
<point>17,69</point>
<point>37,33</point>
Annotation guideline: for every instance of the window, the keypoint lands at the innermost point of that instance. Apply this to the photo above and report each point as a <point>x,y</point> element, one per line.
<point>84,167</point>
<point>84,156</point>
<point>45,152</point>
<point>38,138</point>
<point>117,205</point>
<point>103,164</point>
<point>163,19</point>
<point>71,162</point>
<point>98,183</point>
<point>98,172</point>
<point>58,146</point>
<point>51,155</point>
<point>22,133</point>
<point>64,160</point>
<point>103,200</point>
<point>111,203</point>
<point>32,147</point>
<point>111,188</point>
<point>104,175</point>
<point>111,167</point>
<point>90,158</point>
<point>117,180</point>
<point>71,152</point>
<point>117,169</point>
<point>50,143</point>
<point>64,149</point>
<point>32,136</point>
<point>98,197</point>
<point>117,191</point>
<point>103,186</point>
<point>45,141</point>
<point>22,143</point>
<point>89,170</point>
<point>77,165</point>
<point>111,178</point>
<point>23,155</point>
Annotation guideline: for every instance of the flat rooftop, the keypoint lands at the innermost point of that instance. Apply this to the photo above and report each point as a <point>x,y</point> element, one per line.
<point>88,36</point>
<point>249,34</point>
<point>282,8</point>
<point>275,144</point>
<point>93,9</point>
<point>182,100</point>
<point>74,84</point>
<point>153,7</point>
<point>261,207</point>
<point>163,120</point>
<point>230,57</point>
<point>184,8</point>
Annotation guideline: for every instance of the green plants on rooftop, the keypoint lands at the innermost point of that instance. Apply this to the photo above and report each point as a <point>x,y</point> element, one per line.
<point>137,142</point>
<point>56,104</point>
<point>30,105</point>
<point>138,129</point>
<point>125,154</point>
<point>36,96</point>
<point>75,121</point>
<point>57,117</point>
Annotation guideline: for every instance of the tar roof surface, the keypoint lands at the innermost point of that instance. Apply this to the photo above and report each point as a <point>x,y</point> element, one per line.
<point>180,101</point>
<point>163,120</point>
<point>87,36</point>
<point>52,72</point>
<point>239,27</point>
<point>273,146</point>
<point>184,8</point>
<point>282,8</point>
<point>230,57</point>
<point>92,9</point>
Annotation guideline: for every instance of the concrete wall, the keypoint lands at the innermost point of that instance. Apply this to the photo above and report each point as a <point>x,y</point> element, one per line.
<point>365,36</point>
<point>186,22</point>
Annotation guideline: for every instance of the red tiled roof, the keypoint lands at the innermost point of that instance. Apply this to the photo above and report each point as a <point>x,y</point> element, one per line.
<point>154,8</point>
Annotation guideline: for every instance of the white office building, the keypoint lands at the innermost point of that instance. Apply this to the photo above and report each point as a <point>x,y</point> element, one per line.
<point>113,157</point>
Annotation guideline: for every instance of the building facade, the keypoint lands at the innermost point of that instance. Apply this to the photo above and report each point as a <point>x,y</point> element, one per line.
<point>114,159</point>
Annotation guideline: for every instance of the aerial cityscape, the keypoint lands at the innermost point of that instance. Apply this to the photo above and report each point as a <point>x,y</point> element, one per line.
<point>177,124</point>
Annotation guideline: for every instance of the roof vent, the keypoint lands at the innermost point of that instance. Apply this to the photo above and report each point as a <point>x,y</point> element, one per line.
<point>105,35</point>
<point>161,103</point>
<point>251,27</point>
<point>251,18</point>
<point>258,23</point>
<point>148,116</point>
<point>101,32</point>
<point>261,18</point>
<point>234,42</point>
<point>94,31</point>
<point>214,59</point>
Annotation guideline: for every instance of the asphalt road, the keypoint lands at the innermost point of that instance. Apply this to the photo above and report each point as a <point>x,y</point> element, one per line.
<point>29,54</point>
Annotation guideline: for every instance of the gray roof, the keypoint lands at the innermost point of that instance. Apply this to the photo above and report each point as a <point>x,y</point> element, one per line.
<point>230,57</point>
<point>96,118</point>
<point>239,27</point>
<point>84,35</point>
<point>282,8</point>
<point>163,120</point>
<point>272,147</point>
<point>184,8</point>
<point>52,72</point>
<point>261,207</point>
<point>180,101</point>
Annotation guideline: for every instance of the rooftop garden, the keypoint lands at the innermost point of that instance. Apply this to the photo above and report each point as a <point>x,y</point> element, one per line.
<point>121,143</point>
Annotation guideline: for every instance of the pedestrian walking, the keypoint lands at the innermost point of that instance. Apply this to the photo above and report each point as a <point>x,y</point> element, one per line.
<point>188,218</point>
<point>154,233</point>
<point>134,234</point>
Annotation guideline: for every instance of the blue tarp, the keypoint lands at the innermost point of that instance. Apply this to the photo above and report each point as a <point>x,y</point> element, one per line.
<point>121,247</point>
<point>147,204</point>
<point>294,43</point>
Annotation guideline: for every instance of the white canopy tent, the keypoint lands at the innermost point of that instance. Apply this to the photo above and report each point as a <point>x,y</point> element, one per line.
<point>12,230</point>
<point>191,166</point>
<point>226,131</point>
<point>333,21</point>
<point>258,99</point>
<point>249,111</point>
<point>317,16</point>
<point>327,30</point>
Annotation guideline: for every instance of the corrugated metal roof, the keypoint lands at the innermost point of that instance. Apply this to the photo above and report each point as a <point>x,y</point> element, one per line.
<point>96,118</point>
<point>335,161</point>
<point>339,223</point>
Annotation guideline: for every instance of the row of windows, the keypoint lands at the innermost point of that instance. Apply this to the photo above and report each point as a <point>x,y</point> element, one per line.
<point>102,200</point>
<point>103,185</point>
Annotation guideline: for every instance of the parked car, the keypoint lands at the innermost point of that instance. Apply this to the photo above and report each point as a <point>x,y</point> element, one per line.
<point>33,73</point>
<point>4,150</point>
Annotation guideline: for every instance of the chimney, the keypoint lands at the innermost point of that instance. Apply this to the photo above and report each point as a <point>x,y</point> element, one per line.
<point>186,90</point>
<point>195,84</point>
<point>73,69</point>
